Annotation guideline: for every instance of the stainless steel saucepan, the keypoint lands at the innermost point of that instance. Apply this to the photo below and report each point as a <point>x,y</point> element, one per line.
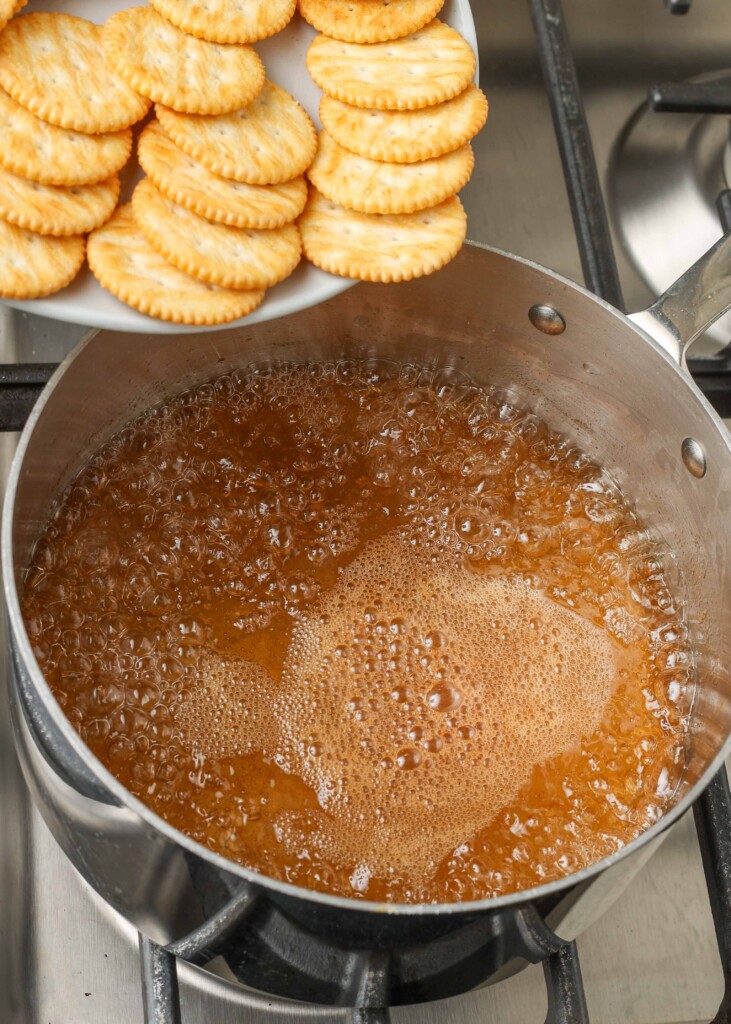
<point>615,384</point>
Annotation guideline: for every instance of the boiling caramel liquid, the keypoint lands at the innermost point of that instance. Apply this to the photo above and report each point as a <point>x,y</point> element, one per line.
<point>369,629</point>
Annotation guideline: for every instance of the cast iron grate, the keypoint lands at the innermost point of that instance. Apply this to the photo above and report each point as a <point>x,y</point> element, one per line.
<point>21,384</point>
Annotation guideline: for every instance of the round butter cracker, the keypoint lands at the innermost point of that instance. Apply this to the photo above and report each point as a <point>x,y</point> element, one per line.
<point>370,186</point>
<point>406,136</point>
<point>368,21</point>
<point>270,141</point>
<point>169,66</point>
<point>370,247</point>
<point>427,67</point>
<point>57,156</point>
<point>216,253</point>
<point>56,209</point>
<point>53,65</point>
<point>33,265</point>
<point>8,10</point>
<point>228,21</point>
<point>187,182</point>
<point>122,262</point>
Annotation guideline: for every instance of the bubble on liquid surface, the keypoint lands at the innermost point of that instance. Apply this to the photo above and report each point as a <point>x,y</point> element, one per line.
<point>486,703</point>
<point>228,713</point>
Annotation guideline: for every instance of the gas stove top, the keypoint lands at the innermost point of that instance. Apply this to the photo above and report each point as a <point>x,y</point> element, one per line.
<point>65,957</point>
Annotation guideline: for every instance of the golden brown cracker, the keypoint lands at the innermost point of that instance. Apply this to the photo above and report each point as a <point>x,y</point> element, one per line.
<point>228,21</point>
<point>368,21</point>
<point>123,263</point>
<point>185,73</point>
<point>33,265</point>
<point>53,65</point>
<point>56,209</point>
<point>370,186</point>
<point>372,247</point>
<point>216,253</point>
<point>8,10</point>
<point>270,141</point>
<point>56,156</point>
<point>187,182</point>
<point>427,67</point>
<point>406,136</point>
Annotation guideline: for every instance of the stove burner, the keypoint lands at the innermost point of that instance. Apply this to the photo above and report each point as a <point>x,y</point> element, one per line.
<point>667,171</point>
<point>273,945</point>
<point>363,978</point>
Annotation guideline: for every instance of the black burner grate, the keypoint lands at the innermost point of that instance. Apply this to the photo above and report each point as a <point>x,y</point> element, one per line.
<point>21,384</point>
<point>577,154</point>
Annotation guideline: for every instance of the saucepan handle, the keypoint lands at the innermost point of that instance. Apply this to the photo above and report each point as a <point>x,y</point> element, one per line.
<point>692,303</point>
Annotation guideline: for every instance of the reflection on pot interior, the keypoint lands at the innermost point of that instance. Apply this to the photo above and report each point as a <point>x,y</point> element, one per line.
<point>369,629</point>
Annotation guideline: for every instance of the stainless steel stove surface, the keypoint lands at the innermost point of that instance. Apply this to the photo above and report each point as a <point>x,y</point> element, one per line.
<point>65,958</point>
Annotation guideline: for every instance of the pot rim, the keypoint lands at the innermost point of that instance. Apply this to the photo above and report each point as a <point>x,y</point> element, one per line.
<point>127,800</point>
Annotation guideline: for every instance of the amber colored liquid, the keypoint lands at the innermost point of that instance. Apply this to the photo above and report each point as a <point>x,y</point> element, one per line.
<point>369,629</point>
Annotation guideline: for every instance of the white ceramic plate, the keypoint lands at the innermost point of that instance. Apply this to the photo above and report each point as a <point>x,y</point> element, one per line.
<point>86,302</point>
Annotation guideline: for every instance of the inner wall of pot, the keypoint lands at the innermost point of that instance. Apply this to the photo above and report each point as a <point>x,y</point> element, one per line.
<point>599,383</point>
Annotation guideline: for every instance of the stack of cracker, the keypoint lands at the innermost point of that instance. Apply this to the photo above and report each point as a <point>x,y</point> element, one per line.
<point>212,226</point>
<point>65,134</point>
<point>398,113</point>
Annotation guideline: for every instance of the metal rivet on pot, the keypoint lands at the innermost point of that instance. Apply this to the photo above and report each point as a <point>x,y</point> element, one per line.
<point>694,458</point>
<point>546,319</point>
